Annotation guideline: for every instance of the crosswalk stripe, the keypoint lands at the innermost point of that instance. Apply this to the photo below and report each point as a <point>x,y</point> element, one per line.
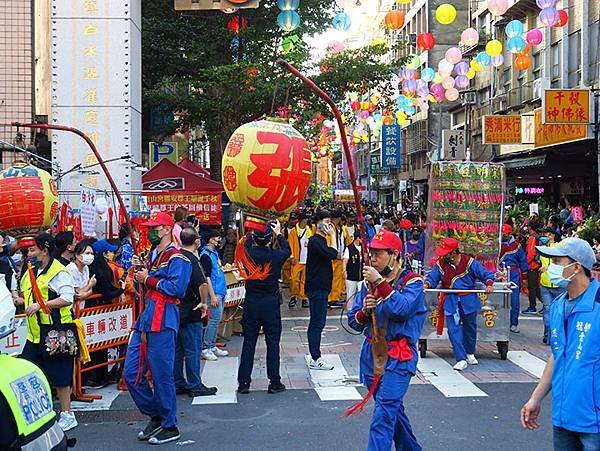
<point>528,362</point>
<point>222,374</point>
<point>449,382</point>
<point>109,394</point>
<point>330,385</point>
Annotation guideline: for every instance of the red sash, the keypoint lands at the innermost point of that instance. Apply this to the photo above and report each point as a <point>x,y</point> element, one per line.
<point>160,300</point>
<point>449,273</point>
<point>398,349</point>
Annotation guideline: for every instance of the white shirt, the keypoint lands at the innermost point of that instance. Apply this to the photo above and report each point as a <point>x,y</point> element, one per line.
<point>80,278</point>
<point>62,285</point>
<point>303,238</point>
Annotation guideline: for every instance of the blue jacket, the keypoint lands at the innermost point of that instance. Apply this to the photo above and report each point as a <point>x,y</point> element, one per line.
<point>514,256</point>
<point>463,277</point>
<point>576,372</point>
<point>405,314</point>
<point>370,232</point>
<point>217,276</point>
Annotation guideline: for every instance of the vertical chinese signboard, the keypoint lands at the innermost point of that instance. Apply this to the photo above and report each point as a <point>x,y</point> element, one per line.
<point>466,202</point>
<point>87,203</point>
<point>454,145</point>
<point>391,146</point>
<point>96,87</point>
<point>502,129</point>
<point>566,106</point>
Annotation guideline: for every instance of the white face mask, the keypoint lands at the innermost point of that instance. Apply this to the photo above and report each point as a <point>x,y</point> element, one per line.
<point>87,259</point>
<point>17,258</point>
<point>555,273</point>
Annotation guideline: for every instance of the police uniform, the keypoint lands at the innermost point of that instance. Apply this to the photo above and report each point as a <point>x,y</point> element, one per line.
<point>513,255</point>
<point>401,312</point>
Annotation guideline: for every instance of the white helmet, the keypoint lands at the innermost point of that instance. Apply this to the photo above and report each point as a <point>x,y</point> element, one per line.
<point>7,310</point>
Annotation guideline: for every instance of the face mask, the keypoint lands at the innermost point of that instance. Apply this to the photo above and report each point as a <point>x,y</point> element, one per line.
<point>17,258</point>
<point>389,267</point>
<point>33,260</point>
<point>555,273</point>
<point>87,259</point>
<point>544,240</point>
<point>153,237</point>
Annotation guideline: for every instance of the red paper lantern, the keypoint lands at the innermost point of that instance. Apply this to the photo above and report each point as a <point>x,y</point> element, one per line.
<point>523,62</point>
<point>394,19</point>
<point>425,41</point>
<point>355,106</point>
<point>563,18</point>
<point>236,24</point>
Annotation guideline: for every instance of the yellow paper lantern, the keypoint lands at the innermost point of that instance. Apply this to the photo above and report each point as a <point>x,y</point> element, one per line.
<point>494,47</point>
<point>266,168</point>
<point>475,65</point>
<point>471,74</point>
<point>445,14</point>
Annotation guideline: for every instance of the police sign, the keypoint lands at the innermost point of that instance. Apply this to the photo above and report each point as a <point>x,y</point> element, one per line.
<point>167,150</point>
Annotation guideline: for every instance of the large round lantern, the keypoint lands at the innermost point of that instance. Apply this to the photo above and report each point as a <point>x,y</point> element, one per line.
<point>394,19</point>
<point>29,200</point>
<point>266,168</point>
<point>425,41</point>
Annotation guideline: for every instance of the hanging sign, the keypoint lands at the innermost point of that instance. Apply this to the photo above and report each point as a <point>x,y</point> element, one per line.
<point>391,146</point>
<point>501,129</point>
<point>566,106</point>
<point>87,203</point>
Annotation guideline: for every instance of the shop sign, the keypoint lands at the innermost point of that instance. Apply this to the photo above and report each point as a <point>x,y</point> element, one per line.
<point>344,195</point>
<point>529,190</point>
<point>454,145</point>
<point>566,106</point>
<point>205,206</point>
<point>501,129</point>
<point>391,146</point>
<point>376,168</point>
<point>552,134</point>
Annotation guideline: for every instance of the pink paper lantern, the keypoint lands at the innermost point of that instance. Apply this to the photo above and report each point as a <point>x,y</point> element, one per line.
<point>445,68</point>
<point>453,55</point>
<point>497,61</point>
<point>469,37</point>
<point>497,7</point>
<point>534,37</point>
<point>448,83</point>
<point>452,94</point>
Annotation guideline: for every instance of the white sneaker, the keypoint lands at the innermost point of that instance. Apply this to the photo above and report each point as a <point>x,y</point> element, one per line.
<point>514,329</point>
<point>208,354</point>
<point>471,360</point>
<point>67,421</point>
<point>220,352</point>
<point>461,365</point>
<point>320,364</point>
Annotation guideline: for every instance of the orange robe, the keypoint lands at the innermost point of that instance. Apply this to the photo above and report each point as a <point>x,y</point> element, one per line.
<point>298,270</point>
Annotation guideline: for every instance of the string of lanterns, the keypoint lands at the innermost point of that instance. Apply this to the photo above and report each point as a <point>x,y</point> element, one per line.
<point>288,18</point>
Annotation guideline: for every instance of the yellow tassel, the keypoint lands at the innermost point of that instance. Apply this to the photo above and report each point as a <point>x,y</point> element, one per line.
<point>84,353</point>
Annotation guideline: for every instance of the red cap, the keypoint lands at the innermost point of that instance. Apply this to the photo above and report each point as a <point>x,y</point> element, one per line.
<point>255,224</point>
<point>507,229</point>
<point>406,224</point>
<point>158,218</point>
<point>385,239</point>
<point>446,246</point>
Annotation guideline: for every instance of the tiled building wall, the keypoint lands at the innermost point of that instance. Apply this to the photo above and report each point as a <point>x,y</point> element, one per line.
<point>16,69</point>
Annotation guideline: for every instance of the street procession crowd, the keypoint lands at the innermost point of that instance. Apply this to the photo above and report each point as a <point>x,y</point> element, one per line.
<point>318,253</point>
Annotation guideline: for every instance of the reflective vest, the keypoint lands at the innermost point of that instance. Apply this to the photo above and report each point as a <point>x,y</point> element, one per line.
<point>43,279</point>
<point>28,396</point>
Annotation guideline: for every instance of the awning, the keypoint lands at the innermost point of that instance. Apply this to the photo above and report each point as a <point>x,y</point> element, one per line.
<point>526,162</point>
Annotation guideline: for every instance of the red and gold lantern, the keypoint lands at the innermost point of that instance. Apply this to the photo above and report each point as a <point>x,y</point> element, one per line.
<point>29,200</point>
<point>266,168</point>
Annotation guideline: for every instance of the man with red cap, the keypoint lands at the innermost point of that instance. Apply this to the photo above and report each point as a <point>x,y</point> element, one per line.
<point>513,256</point>
<point>396,297</point>
<point>152,342</point>
<point>458,271</point>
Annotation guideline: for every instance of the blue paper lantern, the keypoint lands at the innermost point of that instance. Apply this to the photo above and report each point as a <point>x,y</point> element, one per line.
<point>483,58</point>
<point>341,22</point>
<point>288,20</point>
<point>288,5</point>
<point>514,28</point>
<point>428,74</point>
<point>516,44</point>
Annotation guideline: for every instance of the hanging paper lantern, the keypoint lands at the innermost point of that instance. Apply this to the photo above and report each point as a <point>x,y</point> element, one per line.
<point>523,62</point>
<point>543,4</point>
<point>290,42</point>
<point>438,78</point>
<point>534,37</point>
<point>427,74</point>
<point>335,47</point>
<point>469,37</point>
<point>483,58</point>
<point>497,61</point>
<point>476,65</point>
<point>365,105</point>
<point>341,22</point>
<point>236,24</point>
<point>288,20</point>
<point>422,91</point>
<point>425,41</point>
<point>364,115</point>
<point>563,18</point>
<point>355,106</point>
<point>445,67</point>
<point>448,83</point>
<point>394,19</point>
<point>549,16</point>
<point>266,168</point>
<point>29,200</point>
<point>471,74</point>
<point>453,55</point>
<point>516,44</point>
<point>388,120</point>
<point>403,2</point>
<point>288,5</point>
<point>452,94</point>
<point>406,73</point>
<point>445,14</point>
<point>493,47</point>
<point>497,7</point>
<point>436,89</point>
<point>514,28</point>
<point>413,61</point>
<point>461,82</point>
<point>526,50</point>
<point>461,68</point>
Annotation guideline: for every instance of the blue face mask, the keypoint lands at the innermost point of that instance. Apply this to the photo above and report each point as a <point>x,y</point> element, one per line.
<point>544,240</point>
<point>555,273</point>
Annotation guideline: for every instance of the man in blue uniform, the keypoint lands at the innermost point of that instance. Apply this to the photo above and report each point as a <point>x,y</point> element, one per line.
<point>397,298</point>
<point>458,271</point>
<point>261,305</point>
<point>572,370</point>
<point>152,342</point>
<point>513,256</point>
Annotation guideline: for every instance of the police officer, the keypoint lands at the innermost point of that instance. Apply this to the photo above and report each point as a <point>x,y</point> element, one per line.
<point>397,297</point>
<point>513,256</point>
<point>572,370</point>
<point>26,416</point>
<point>267,251</point>
<point>459,310</point>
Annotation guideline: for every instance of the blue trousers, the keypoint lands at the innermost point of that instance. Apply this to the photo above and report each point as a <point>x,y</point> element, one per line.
<point>390,423</point>
<point>188,346</point>
<point>565,440</point>
<point>159,401</point>
<point>263,311</point>
<point>216,313</point>
<point>463,335</point>
<point>318,317</point>
<point>515,299</point>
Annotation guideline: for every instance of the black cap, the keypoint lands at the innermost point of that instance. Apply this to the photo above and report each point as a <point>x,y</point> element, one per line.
<point>212,233</point>
<point>45,241</point>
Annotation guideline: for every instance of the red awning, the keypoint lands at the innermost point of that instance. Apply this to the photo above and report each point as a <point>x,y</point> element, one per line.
<point>194,167</point>
<point>167,176</point>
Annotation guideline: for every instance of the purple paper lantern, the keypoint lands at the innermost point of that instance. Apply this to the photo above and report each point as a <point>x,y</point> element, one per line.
<point>461,68</point>
<point>543,4</point>
<point>497,61</point>
<point>461,82</point>
<point>549,16</point>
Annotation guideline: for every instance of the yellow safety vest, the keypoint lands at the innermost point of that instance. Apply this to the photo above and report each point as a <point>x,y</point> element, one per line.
<point>28,395</point>
<point>33,328</point>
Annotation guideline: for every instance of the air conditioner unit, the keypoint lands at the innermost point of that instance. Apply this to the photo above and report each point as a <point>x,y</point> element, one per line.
<point>469,98</point>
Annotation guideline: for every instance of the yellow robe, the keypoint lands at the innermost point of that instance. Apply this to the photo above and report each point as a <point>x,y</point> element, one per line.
<point>298,270</point>
<point>338,284</point>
